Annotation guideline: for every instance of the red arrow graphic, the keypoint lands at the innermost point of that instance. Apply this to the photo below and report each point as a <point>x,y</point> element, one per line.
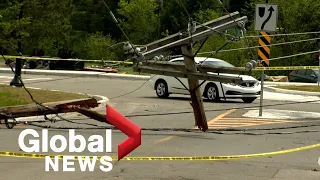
<point>127,127</point>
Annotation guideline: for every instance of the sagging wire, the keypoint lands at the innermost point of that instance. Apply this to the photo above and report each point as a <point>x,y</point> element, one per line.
<point>202,44</point>
<point>118,24</point>
<point>221,33</point>
<point>300,54</point>
<point>254,47</point>
<point>40,105</point>
<point>217,110</point>
<point>288,34</point>
<point>221,131</point>
<point>133,90</point>
<point>242,27</point>
<point>214,53</point>
<point>185,9</point>
<point>32,98</point>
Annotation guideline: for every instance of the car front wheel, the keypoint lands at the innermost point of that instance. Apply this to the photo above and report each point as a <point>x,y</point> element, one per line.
<point>211,92</point>
<point>248,100</point>
<point>162,89</point>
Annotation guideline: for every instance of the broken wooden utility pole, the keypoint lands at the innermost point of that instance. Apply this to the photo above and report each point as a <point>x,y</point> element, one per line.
<point>194,88</point>
<point>48,108</point>
<point>191,71</point>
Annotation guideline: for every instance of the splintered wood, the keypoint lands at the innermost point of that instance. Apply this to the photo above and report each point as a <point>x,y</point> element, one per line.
<point>46,108</point>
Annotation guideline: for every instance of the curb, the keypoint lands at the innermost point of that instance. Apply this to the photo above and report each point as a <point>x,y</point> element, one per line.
<point>289,84</point>
<point>77,74</point>
<point>277,90</point>
<point>100,99</point>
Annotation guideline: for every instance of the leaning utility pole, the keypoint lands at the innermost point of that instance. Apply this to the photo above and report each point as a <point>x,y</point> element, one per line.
<point>194,87</point>
<point>190,69</point>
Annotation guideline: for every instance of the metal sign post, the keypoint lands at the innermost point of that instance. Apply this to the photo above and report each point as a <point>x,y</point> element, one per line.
<point>265,21</point>
<point>319,73</point>
<point>261,95</point>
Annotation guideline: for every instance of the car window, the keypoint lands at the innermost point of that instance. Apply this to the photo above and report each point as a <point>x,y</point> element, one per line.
<point>217,64</point>
<point>316,72</point>
<point>300,72</point>
<point>310,72</point>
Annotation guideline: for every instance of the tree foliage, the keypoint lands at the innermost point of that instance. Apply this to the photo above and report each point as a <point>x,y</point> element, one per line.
<point>85,28</point>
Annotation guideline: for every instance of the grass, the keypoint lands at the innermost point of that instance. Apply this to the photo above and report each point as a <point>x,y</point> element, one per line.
<point>300,88</point>
<point>12,96</point>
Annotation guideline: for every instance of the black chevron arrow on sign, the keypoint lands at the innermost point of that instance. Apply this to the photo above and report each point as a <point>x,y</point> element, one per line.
<point>269,17</point>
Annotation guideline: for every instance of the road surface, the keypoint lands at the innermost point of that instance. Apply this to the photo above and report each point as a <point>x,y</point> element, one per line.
<point>138,106</point>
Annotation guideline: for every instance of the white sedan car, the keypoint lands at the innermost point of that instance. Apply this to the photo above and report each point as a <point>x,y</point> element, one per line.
<point>248,91</point>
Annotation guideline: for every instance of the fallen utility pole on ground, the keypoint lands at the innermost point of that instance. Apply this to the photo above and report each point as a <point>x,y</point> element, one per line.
<point>13,112</point>
<point>52,108</point>
<point>191,71</point>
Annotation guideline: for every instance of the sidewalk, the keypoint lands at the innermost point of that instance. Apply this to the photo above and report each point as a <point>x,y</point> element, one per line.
<point>285,91</point>
<point>77,74</point>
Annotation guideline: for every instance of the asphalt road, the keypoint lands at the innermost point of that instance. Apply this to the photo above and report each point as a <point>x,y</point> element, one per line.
<point>143,101</point>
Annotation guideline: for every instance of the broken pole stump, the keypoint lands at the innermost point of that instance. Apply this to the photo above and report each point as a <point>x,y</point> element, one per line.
<point>196,95</point>
<point>52,108</point>
<point>91,114</point>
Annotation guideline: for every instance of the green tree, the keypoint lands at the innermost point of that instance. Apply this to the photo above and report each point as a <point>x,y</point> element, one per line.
<point>139,20</point>
<point>97,45</point>
<point>11,27</point>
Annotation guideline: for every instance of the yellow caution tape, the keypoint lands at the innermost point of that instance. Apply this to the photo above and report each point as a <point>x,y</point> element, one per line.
<point>59,59</point>
<point>285,68</point>
<point>194,158</point>
<point>255,69</point>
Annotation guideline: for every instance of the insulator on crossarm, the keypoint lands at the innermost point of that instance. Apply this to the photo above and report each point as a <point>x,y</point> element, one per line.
<point>254,63</point>
<point>161,57</point>
<point>156,58</point>
<point>249,65</point>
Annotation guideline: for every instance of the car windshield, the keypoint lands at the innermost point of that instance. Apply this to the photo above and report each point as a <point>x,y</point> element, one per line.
<point>217,64</point>
<point>316,71</point>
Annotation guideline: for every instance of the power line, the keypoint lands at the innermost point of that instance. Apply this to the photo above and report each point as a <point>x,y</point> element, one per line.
<point>253,47</point>
<point>185,9</point>
<point>243,28</point>
<point>118,24</point>
<point>215,52</point>
<point>236,131</point>
<point>290,34</point>
<point>217,110</point>
<point>39,104</point>
<point>133,90</point>
<point>215,30</point>
<point>301,54</point>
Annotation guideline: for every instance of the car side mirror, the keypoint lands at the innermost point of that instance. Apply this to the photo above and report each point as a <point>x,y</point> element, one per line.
<point>313,75</point>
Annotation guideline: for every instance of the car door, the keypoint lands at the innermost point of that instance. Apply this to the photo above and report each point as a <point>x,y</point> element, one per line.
<point>176,83</point>
<point>311,76</point>
<point>298,76</point>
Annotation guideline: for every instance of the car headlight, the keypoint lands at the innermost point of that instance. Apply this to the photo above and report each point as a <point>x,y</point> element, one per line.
<point>232,84</point>
<point>257,83</point>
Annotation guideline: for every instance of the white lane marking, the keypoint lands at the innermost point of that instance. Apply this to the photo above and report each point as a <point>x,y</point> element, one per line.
<point>289,97</point>
<point>6,77</point>
<point>35,79</point>
<point>282,114</point>
<point>30,79</point>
